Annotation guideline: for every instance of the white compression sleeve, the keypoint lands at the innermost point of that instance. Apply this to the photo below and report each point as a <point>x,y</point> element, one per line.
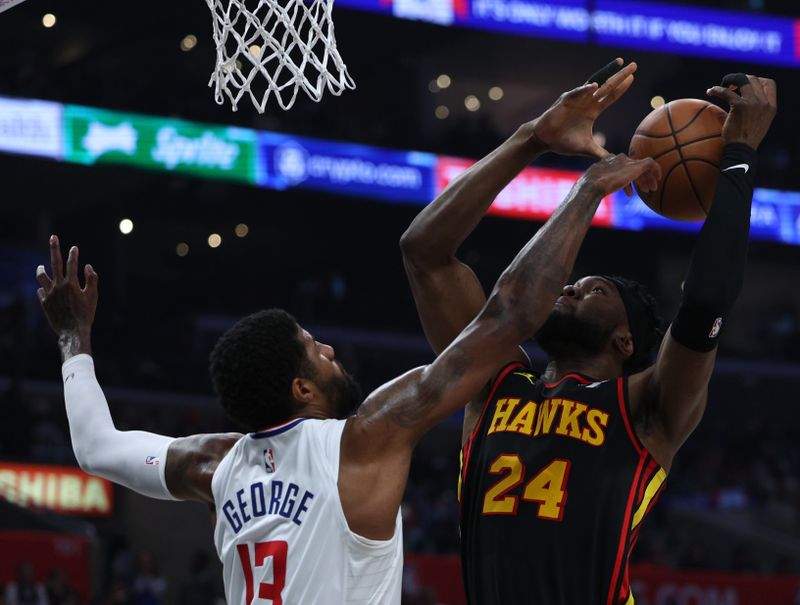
<point>134,459</point>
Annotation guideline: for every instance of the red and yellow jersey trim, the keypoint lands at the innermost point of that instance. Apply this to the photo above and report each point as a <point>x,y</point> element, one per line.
<point>646,487</point>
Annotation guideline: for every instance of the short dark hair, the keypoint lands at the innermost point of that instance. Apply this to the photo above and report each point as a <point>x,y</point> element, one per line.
<point>253,365</point>
<point>647,325</point>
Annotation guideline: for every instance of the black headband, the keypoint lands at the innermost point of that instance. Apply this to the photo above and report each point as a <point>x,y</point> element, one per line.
<point>639,321</point>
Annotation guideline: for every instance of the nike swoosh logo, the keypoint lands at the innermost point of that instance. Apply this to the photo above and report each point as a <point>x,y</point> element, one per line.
<point>69,376</point>
<point>745,166</point>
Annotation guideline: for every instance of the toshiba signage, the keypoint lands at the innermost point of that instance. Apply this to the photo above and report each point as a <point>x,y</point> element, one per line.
<point>62,489</point>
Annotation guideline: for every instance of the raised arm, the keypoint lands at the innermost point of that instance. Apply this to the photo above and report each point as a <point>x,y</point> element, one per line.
<point>447,293</point>
<point>671,395</point>
<point>153,465</point>
<point>377,442</point>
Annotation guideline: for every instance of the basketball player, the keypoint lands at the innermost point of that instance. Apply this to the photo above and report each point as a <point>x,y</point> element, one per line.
<point>560,468</point>
<point>306,504</point>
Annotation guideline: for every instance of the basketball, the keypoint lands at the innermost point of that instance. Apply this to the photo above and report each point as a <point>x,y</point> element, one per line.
<point>685,138</point>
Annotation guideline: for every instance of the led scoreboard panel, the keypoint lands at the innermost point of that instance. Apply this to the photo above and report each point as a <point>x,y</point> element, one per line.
<point>657,27</point>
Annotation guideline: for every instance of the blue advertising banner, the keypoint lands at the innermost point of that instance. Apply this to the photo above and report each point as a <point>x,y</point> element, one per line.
<point>282,161</point>
<point>345,168</point>
<point>775,216</point>
<point>657,27</point>
<point>667,28</point>
<point>564,19</point>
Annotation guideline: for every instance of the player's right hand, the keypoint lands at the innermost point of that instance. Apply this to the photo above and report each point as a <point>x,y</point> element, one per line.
<point>566,127</point>
<point>751,113</point>
<point>69,308</point>
<point>614,172</point>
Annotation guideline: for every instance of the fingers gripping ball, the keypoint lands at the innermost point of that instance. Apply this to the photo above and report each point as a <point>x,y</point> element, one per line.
<point>735,82</point>
<point>684,137</point>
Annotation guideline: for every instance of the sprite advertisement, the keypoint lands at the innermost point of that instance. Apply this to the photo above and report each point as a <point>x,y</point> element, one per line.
<point>86,135</point>
<point>94,136</point>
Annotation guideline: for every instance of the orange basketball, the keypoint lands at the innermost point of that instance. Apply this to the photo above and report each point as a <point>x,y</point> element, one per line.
<point>684,137</point>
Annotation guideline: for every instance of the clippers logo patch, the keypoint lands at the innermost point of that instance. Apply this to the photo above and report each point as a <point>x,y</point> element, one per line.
<point>152,460</point>
<point>715,328</point>
<point>269,460</point>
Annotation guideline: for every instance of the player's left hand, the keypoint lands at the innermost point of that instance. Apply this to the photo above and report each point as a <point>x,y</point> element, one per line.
<point>566,127</point>
<point>614,172</point>
<point>751,112</point>
<point>69,308</point>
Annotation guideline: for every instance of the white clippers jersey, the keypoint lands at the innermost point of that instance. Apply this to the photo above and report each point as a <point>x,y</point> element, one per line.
<point>281,533</point>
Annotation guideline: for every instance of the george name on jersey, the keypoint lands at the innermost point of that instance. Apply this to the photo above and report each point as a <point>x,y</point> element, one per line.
<point>284,500</point>
<point>552,416</point>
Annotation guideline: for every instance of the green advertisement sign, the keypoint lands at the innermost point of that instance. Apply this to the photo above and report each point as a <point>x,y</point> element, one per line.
<point>94,136</point>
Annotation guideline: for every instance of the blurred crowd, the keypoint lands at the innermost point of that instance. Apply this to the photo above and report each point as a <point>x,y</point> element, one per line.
<point>742,464</point>
<point>131,580</point>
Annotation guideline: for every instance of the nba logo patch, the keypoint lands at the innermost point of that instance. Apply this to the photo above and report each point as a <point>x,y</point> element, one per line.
<point>152,460</point>
<point>715,328</point>
<point>269,460</point>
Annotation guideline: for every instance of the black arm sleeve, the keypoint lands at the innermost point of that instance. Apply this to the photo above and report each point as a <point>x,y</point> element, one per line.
<point>716,271</point>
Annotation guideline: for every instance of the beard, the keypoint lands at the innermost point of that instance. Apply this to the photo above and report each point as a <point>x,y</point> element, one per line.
<point>345,394</point>
<point>564,335</point>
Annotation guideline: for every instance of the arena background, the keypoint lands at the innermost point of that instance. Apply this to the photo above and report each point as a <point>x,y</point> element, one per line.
<point>324,245</point>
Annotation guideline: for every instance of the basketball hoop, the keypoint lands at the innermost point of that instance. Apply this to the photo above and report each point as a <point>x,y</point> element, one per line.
<point>277,47</point>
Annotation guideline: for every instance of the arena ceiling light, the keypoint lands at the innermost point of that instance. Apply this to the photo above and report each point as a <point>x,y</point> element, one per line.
<point>188,42</point>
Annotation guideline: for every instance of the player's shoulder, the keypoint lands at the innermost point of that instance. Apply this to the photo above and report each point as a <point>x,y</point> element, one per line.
<point>322,425</point>
<point>320,430</point>
<point>212,446</point>
<point>209,445</point>
<point>517,372</point>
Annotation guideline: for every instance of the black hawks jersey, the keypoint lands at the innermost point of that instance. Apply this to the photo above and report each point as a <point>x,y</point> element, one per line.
<point>554,487</point>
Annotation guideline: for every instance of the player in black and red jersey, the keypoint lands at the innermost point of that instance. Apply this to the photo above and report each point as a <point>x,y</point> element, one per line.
<point>560,468</point>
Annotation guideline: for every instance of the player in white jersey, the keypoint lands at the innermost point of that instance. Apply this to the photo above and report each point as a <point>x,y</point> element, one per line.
<point>280,484</point>
<point>306,504</point>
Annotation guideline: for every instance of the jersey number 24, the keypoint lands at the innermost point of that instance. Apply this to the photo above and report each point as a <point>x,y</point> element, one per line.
<point>548,488</point>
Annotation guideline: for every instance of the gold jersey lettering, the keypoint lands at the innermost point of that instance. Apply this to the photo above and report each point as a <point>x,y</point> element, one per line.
<point>547,414</point>
<point>594,433</point>
<point>563,417</point>
<point>523,422</point>
<point>502,414</point>
<point>570,412</point>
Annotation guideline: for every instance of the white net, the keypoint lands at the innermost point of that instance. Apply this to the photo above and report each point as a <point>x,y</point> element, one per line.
<point>275,47</point>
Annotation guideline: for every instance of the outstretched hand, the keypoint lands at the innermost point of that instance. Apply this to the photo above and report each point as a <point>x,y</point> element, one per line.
<point>751,113</point>
<point>615,172</point>
<point>566,127</point>
<point>69,308</point>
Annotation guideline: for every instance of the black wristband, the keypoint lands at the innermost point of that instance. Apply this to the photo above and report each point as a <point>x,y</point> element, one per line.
<point>697,327</point>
